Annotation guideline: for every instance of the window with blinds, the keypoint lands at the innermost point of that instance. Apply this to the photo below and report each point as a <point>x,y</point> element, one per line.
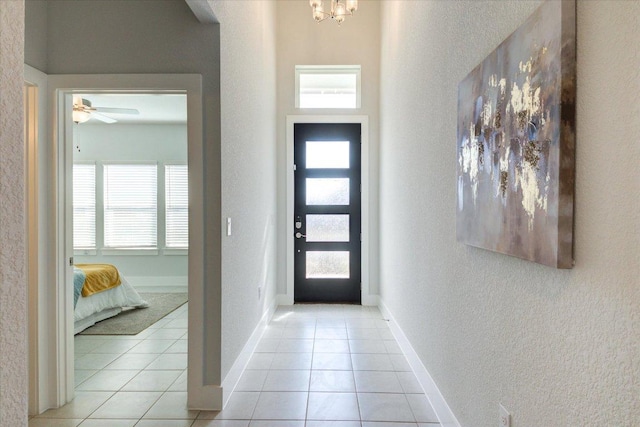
<point>84,206</point>
<point>176,206</point>
<point>130,206</point>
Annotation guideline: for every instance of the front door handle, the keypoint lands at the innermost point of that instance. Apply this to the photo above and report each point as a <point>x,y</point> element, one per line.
<point>299,235</point>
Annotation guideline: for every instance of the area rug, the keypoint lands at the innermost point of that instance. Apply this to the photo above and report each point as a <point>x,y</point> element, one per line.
<point>135,320</point>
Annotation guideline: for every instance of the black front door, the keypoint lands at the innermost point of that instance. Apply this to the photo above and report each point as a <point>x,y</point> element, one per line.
<point>327,213</point>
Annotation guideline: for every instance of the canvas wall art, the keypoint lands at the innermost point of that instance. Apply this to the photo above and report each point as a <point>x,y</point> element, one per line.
<point>516,142</point>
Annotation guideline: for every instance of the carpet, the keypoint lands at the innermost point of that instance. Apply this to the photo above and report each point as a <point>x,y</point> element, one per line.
<point>135,320</point>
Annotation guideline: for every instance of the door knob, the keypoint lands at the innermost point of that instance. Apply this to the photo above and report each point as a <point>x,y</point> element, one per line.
<point>299,235</point>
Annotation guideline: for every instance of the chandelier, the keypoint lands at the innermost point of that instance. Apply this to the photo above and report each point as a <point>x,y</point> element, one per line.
<point>339,9</point>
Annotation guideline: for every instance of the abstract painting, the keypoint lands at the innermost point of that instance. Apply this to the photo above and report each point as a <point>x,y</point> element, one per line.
<point>516,142</point>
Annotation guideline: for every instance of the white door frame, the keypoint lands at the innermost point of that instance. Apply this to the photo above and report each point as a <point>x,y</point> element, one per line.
<point>60,89</point>
<point>366,297</point>
<point>38,266</point>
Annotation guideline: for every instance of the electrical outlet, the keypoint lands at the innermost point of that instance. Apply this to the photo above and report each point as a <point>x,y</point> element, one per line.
<point>505,418</point>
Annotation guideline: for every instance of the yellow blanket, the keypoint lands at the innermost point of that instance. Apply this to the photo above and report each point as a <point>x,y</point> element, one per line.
<point>100,277</point>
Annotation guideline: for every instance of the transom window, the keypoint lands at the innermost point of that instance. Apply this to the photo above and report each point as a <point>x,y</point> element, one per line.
<point>329,86</point>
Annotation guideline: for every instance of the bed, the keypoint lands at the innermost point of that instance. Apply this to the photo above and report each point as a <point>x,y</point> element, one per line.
<point>100,292</point>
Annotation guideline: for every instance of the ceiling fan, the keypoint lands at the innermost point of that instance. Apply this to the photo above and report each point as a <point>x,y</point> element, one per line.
<point>83,111</point>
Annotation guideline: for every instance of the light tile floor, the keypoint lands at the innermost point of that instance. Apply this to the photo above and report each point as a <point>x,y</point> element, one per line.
<point>315,366</point>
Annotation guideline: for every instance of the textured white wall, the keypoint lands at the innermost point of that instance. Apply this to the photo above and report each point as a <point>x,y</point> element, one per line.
<point>557,348</point>
<point>13,281</point>
<point>248,92</point>
<point>302,41</point>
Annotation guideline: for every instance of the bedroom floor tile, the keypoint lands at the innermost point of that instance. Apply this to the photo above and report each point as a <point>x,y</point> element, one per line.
<point>164,423</point>
<point>179,323</point>
<point>112,380</point>
<point>221,423</point>
<point>84,403</point>
<point>169,361</point>
<point>167,334</point>
<point>94,361</point>
<point>160,323</point>
<point>84,346</point>
<point>83,374</point>
<point>127,404</point>
<point>152,381</point>
<point>48,422</point>
<point>152,346</point>
<point>118,346</point>
<point>179,346</point>
<point>108,423</point>
<point>134,361</point>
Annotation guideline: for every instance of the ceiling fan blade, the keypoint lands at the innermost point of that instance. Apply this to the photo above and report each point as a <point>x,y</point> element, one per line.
<point>117,110</point>
<point>103,118</point>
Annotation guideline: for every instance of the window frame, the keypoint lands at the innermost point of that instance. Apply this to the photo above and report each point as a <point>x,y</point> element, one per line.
<point>329,69</point>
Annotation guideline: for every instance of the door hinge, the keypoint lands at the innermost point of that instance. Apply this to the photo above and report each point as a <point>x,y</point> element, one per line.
<point>294,166</point>
<point>71,261</point>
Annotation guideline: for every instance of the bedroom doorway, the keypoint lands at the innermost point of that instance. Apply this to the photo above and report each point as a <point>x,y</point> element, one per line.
<point>60,328</point>
<point>130,229</point>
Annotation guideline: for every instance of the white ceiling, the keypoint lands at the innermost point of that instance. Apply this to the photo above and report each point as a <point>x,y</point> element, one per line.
<point>153,108</point>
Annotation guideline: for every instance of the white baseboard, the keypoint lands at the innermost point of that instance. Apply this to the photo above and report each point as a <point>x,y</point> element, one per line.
<point>162,283</point>
<point>442,410</point>
<point>232,378</point>
<point>370,300</point>
<point>284,299</point>
<point>162,289</point>
<point>207,398</point>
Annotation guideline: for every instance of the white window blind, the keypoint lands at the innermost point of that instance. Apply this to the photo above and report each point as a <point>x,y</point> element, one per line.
<point>176,206</point>
<point>84,206</point>
<point>130,206</point>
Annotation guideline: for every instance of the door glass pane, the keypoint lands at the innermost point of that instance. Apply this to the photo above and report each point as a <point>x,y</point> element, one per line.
<point>328,265</point>
<point>327,191</point>
<point>327,228</point>
<point>327,154</point>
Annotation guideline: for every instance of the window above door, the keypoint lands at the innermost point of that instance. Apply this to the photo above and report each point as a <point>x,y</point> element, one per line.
<point>328,86</point>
